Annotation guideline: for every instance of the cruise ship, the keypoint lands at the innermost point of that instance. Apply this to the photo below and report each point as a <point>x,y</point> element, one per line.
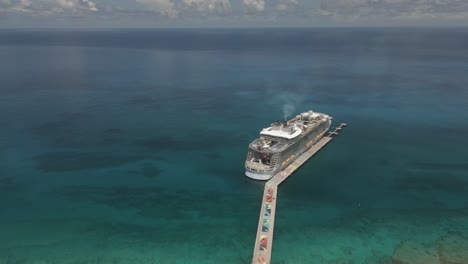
<point>282,142</point>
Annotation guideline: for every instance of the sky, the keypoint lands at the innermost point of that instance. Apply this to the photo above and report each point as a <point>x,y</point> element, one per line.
<point>230,13</point>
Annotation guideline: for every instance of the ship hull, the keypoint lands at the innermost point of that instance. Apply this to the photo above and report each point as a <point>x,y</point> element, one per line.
<point>287,156</point>
<point>258,175</point>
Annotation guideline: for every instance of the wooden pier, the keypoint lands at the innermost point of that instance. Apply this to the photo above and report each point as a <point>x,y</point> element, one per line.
<point>266,221</point>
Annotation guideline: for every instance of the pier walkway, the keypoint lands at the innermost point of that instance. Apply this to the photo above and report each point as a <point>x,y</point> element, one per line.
<point>266,221</point>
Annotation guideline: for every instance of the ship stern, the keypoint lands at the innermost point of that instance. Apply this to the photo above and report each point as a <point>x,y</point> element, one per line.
<point>260,176</point>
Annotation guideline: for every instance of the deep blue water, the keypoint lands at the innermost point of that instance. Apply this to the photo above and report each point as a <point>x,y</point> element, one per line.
<point>127,146</point>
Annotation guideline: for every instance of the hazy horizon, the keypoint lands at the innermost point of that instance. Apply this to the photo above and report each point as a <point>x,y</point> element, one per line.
<point>148,28</point>
<point>231,13</point>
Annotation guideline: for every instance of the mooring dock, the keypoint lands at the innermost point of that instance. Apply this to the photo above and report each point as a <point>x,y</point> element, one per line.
<point>266,221</point>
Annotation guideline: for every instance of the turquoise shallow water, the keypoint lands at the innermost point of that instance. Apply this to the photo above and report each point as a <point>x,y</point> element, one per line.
<point>128,146</point>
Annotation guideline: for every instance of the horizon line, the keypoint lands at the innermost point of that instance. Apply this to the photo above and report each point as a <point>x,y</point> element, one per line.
<point>239,27</point>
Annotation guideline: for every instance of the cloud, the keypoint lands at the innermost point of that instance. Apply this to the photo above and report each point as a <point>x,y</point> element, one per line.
<point>219,6</point>
<point>76,5</point>
<point>165,7</point>
<point>66,3</point>
<point>284,5</point>
<point>395,8</point>
<point>15,5</point>
<point>46,7</point>
<point>91,6</point>
<point>254,5</point>
<point>87,4</point>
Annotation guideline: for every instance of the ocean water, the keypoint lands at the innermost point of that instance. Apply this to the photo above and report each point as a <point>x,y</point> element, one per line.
<point>127,146</point>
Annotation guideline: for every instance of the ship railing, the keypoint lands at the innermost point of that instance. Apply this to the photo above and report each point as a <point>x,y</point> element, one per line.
<point>257,166</point>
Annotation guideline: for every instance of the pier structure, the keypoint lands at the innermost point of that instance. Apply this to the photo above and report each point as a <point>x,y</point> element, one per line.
<point>266,222</point>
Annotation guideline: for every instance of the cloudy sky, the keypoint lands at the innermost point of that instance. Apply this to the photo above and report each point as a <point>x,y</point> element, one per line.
<point>231,13</point>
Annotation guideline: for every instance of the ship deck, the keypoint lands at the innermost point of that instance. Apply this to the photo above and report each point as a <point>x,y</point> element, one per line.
<point>266,222</point>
